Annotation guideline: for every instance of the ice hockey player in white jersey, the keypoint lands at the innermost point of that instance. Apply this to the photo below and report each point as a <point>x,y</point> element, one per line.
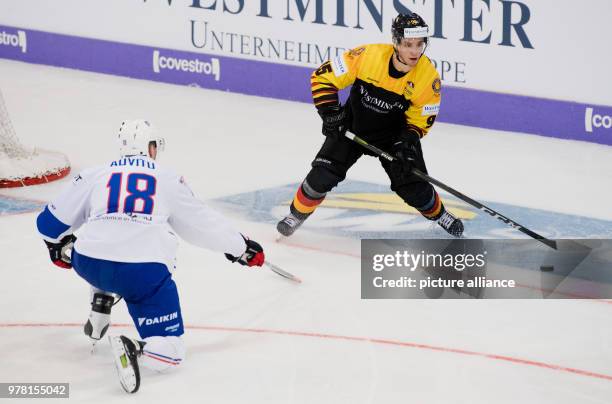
<point>128,214</point>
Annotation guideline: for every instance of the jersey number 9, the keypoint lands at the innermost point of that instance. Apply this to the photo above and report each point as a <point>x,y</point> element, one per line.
<point>430,121</point>
<point>139,187</point>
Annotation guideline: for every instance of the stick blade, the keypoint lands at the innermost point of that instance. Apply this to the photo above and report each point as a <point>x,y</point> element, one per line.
<point>276,269</point>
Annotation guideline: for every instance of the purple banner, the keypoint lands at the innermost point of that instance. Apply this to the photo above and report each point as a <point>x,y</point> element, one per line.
<point>516,113</point>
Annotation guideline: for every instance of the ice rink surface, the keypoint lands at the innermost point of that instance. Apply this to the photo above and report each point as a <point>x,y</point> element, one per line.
<point>254,337</point>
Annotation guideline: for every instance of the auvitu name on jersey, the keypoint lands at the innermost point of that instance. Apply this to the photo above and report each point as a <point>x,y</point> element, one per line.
<point>133,162</point>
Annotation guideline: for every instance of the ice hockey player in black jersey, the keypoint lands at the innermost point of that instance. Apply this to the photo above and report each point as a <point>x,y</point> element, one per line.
<point>394,100</point>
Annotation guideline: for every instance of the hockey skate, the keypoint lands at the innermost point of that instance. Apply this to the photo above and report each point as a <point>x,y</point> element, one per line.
<point>99,318</point>
<point>451,224</point>
<point>125,353</point>
<point>289,224</point>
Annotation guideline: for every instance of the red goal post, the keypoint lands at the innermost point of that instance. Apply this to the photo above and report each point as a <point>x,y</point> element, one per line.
<point>22,166</point>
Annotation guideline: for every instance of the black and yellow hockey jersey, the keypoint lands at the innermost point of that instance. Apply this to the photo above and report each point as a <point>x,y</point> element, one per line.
<point>382,100</point>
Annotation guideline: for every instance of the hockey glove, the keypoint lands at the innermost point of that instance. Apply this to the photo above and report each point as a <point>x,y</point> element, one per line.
<point>405,152</point>
<point>58,252</point>
<point>253,256</point>
<point>334,121</point>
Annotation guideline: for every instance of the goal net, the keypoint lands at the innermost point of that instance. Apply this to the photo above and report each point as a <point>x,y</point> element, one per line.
<point>20,165</point>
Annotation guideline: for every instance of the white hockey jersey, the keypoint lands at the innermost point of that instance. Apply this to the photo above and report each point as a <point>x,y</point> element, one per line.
<point>130,210</point>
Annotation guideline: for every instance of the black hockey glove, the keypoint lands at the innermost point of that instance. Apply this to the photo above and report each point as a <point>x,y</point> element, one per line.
<point>405,152</point>
<point>58,252</point>
<point>253,255</point>
<point>334,121</point>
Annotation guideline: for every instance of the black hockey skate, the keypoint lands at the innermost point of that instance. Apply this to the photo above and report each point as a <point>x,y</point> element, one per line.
<point>125,353</point>
<point>290,224</point>
<point>451,224</point>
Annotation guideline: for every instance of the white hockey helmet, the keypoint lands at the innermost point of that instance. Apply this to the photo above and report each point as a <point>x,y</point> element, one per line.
<point>135,136</point>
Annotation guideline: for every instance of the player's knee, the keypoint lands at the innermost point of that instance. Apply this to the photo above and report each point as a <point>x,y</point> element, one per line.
<point>416,194</point>
<point>323,179</point>
<point>163,353</point>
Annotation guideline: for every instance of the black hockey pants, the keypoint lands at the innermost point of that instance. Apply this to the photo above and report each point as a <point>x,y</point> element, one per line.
<point>336,156</point>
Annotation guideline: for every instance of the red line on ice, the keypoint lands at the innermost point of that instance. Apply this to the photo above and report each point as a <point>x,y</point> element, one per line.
<point>504,358</point>
<point>159,359</point>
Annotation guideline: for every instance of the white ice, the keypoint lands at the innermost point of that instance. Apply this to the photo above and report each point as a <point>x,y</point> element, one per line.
<point>254,337</point>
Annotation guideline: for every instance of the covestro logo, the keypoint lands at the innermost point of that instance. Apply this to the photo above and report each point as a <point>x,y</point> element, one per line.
<point>594,120</point>
<point>18,40</point>
<point>193,65</point>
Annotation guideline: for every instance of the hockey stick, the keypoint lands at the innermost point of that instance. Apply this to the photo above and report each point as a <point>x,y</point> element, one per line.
<point>277,270</point>
<point>476,204</point>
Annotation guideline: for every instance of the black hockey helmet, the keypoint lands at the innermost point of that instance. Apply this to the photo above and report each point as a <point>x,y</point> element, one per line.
<point>409,25</point>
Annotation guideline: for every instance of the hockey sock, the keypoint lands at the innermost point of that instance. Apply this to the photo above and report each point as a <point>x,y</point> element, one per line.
<point>306,201</point>
<point>162,353</point>
<point>433,209</point>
